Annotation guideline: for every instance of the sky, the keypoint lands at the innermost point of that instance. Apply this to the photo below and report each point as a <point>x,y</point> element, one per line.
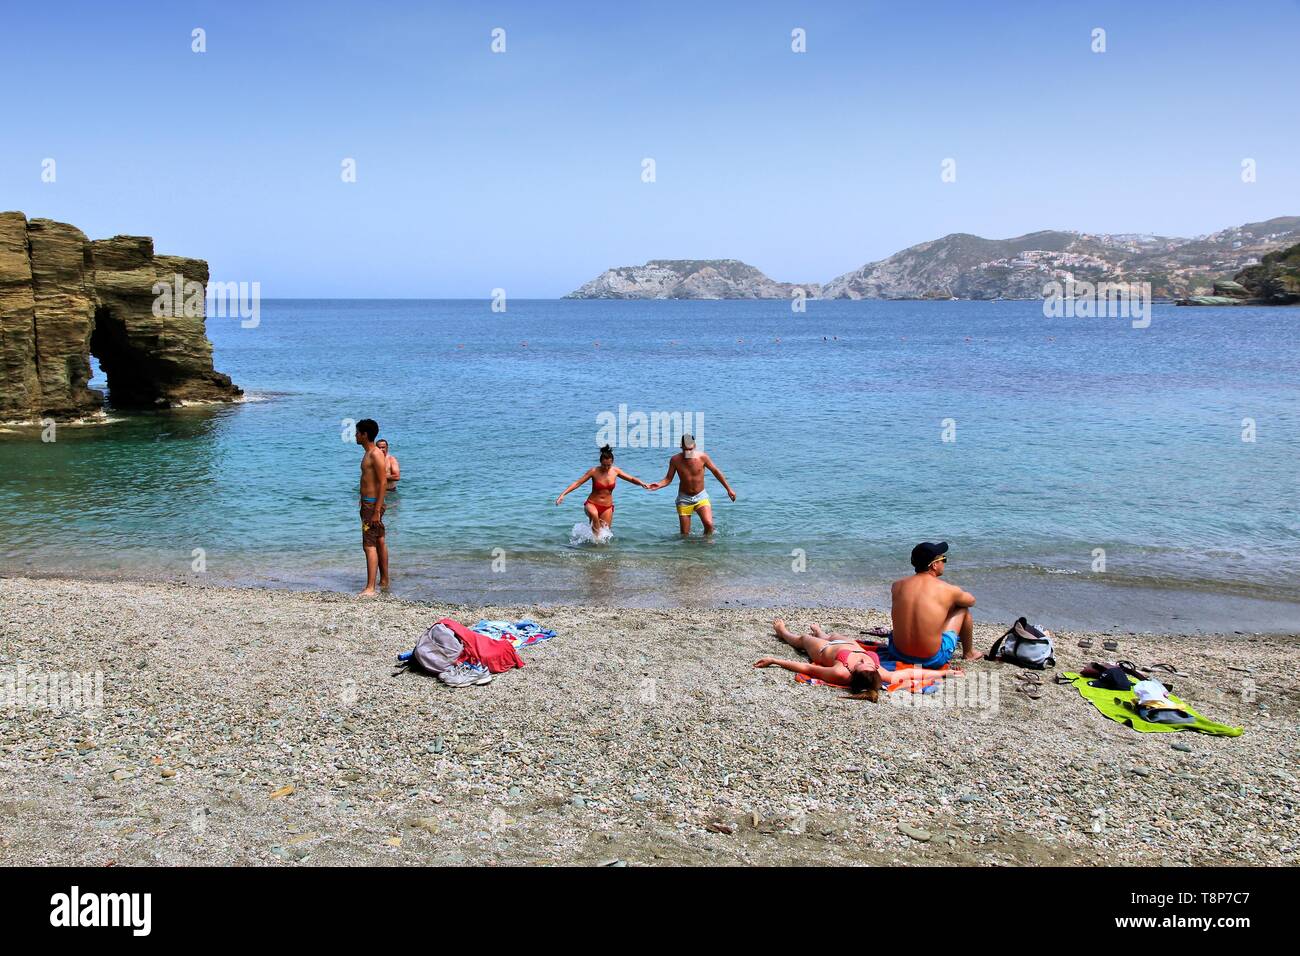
<point>523,170</point>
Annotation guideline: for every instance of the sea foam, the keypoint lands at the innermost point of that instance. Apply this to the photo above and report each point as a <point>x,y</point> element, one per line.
<point>582,534</point>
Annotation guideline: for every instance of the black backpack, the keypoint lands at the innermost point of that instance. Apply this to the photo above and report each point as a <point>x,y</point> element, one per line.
<point>1025,645</point>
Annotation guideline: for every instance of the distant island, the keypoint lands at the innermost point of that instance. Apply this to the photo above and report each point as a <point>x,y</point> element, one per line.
<point>964,266</point>
<point>689,279</point>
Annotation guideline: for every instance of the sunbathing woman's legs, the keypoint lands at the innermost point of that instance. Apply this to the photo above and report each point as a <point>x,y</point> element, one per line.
<point>810,644</point>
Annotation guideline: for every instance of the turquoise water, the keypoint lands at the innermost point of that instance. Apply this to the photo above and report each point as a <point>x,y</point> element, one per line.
<point>1071,435</point>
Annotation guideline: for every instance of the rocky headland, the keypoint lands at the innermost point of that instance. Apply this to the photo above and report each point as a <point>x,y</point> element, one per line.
<point>64,298</point>
<point>1275,280</point>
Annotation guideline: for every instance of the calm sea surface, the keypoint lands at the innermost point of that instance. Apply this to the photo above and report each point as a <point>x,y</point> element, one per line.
<point>1077,441</point>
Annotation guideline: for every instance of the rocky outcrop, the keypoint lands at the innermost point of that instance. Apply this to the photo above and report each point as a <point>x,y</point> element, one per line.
<point>1276,280</point>
<point>64,298</point>
<point>689,279</point>
<point>964,266</point>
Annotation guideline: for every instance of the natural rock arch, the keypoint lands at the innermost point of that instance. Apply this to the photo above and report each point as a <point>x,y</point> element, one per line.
<point>64,298</point>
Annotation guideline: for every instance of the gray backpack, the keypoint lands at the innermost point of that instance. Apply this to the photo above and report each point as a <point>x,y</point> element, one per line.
<point>1024,645</point>
<point>435,651</point>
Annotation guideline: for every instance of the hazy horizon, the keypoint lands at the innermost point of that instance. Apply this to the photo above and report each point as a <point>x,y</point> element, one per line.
<point>522,170</point>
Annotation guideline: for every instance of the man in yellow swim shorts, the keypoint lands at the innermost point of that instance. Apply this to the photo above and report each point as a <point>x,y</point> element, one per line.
<point>688,465</point>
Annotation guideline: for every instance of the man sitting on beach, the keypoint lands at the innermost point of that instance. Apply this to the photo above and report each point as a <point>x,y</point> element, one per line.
<point>689,464</point>
<point>374,475</point>
<point>930,616</point>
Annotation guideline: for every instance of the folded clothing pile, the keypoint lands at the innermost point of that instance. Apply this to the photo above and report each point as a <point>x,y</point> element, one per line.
<point>459,656</point>
<point>495,655</point>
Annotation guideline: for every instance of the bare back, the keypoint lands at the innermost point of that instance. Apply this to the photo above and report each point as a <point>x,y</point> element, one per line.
<point>922,605</point>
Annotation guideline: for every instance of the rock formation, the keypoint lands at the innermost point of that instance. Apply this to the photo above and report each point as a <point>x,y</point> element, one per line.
<point>688,279</point>
<point>64,298</point>
<point>1275,280</point>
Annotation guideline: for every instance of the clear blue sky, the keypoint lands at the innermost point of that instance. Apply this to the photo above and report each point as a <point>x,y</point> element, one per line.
<point>523,170</point>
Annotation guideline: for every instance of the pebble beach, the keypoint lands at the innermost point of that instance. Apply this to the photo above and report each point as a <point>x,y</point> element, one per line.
<point>267,728</point>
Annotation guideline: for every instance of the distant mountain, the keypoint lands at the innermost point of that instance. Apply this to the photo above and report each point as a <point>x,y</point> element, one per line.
<point>964,266</point>
<point>968,267</point>
<point>688,279</point>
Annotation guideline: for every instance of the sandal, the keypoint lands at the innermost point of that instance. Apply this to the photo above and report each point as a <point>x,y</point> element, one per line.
<point>1086,643</point>
<point>1110,644</point>
<point>1032,691</point>
<point>1161,665</point>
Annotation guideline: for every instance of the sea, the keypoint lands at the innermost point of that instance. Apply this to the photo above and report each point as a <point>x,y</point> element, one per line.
<point>1086,473</point>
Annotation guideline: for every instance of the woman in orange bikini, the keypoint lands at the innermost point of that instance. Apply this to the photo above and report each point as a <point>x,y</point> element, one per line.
<point>843,661</point>
<point>600,503</point>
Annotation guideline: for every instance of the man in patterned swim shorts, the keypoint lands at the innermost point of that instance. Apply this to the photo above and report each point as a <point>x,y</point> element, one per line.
<point>374,479</point>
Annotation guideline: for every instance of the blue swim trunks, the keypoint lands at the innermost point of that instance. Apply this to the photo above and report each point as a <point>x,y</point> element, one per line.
<point>947,644</point>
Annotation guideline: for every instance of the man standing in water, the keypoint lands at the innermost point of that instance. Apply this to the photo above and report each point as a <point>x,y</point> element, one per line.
<point>689,465</point>
<point>930,616</point>
<point>394,469</point>
<point>374,481</point>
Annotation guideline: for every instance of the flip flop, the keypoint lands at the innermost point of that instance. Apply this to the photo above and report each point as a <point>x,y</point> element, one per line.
<point>1086,643</point>
<point>1161,665</point>
<point>1029,677</point>
<point>1110,645</point>
<point>1032,691</point>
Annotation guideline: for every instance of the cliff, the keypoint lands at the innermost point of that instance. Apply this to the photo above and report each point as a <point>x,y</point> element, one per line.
<point>688,279</point>
<point>64,298</point>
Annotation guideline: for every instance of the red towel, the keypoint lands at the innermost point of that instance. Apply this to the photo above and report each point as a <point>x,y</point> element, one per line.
<point>496,656</point>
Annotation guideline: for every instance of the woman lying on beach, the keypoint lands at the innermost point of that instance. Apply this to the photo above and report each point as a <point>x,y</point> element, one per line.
<point>842,661</point>
<point>600,503</point>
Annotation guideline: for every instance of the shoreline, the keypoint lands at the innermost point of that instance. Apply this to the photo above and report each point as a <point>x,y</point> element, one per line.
<point>637,736</point>
<point>1053,599</point>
